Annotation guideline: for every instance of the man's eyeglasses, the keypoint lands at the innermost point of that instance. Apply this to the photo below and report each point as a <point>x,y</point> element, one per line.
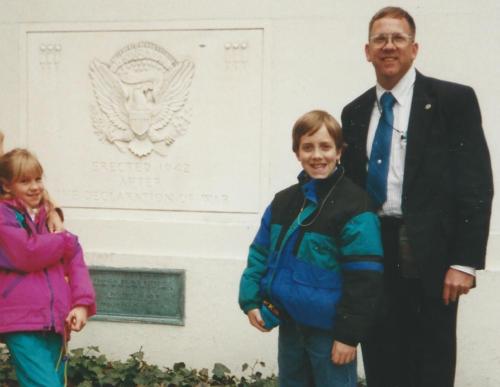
<point>398,39</point>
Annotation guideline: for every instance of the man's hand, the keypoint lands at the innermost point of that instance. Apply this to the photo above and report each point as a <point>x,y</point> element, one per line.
<point>342,353</point>
<point>54,222</point>
<point>255,319</point>
<point>77,318</point>
<point>456,283</point>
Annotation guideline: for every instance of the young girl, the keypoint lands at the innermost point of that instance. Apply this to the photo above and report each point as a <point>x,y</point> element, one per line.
<point>45,287</point>
<point>55,215</point>
<point>314,266</point>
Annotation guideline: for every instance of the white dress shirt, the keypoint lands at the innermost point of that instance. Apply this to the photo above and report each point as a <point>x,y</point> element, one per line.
<point>403,93</point>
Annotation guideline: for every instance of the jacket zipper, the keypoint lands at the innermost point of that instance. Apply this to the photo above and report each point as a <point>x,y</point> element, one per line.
<point>51,291</point>
<point>293,227</point>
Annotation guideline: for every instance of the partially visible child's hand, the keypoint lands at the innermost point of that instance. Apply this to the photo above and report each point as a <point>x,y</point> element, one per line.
<point>342,353</point>
<point>1,143</point>
<point>77,318</point>
<point>54,222</point>
<point>255,319</point>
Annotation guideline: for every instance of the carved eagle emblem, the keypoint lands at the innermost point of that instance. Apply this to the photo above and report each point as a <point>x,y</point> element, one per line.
<point>141,98</point>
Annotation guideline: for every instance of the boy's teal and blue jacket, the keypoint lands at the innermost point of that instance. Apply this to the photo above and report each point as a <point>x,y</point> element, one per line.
<point>319,260</point>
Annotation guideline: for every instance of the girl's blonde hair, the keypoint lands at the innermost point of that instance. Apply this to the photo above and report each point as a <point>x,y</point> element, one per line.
<point>17,164</point>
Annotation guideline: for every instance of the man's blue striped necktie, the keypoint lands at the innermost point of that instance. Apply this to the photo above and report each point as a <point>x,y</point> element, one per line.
<point>378,165</point>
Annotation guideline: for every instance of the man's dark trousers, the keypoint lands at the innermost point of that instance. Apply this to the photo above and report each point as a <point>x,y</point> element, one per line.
<point>413,341</point>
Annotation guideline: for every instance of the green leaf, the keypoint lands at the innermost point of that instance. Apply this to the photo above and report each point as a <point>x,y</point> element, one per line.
<point>220,370</point>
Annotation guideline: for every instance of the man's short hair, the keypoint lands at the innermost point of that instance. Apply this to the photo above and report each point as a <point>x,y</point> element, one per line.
<point>311,122</point>
<point>396,13</point>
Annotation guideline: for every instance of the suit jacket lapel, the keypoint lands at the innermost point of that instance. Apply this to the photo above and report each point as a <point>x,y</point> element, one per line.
<point>359,123</point>
<point>421,113</point>
<point>364,114</point>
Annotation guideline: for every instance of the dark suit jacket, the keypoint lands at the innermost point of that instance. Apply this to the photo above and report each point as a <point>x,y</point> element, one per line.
<point>447,187</point>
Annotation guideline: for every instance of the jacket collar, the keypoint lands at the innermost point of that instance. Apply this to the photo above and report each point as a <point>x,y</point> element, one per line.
<point>315,189</point>
<point>19,206</point>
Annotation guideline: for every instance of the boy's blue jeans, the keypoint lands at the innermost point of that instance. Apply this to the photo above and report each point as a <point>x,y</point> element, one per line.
<point>35,356</point>
<point>305,359</point>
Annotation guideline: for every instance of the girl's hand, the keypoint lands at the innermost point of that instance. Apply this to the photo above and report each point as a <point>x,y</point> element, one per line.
<point>342,353</point>
<point>77,318</point>
<point>54,222</point>
<point>256,319</point>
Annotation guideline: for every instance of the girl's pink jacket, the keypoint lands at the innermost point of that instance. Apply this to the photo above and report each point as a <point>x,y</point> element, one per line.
<point>42,275</point>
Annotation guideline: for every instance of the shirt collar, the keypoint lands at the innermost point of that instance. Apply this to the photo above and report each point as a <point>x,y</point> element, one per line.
<point>403,88</point>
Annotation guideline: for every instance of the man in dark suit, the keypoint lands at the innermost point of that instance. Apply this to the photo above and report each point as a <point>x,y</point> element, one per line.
<point>417,145</point>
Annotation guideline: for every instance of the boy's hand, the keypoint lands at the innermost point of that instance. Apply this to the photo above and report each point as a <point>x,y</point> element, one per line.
<point>77,318</point>
<point>54,222</point>
<point>342,353</point>
<point>256,320</point>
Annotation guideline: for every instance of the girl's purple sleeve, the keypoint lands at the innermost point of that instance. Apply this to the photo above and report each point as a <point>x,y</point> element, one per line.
<point>20,251</point>
<point>82,290</point>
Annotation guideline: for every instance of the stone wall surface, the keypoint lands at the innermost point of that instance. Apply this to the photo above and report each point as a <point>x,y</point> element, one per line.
<point>164,130</point>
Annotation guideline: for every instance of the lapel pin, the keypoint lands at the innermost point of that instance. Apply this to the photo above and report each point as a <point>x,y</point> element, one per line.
<point>428,106</point>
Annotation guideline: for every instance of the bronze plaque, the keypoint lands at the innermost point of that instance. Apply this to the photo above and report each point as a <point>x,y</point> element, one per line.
<point>139,295</point>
